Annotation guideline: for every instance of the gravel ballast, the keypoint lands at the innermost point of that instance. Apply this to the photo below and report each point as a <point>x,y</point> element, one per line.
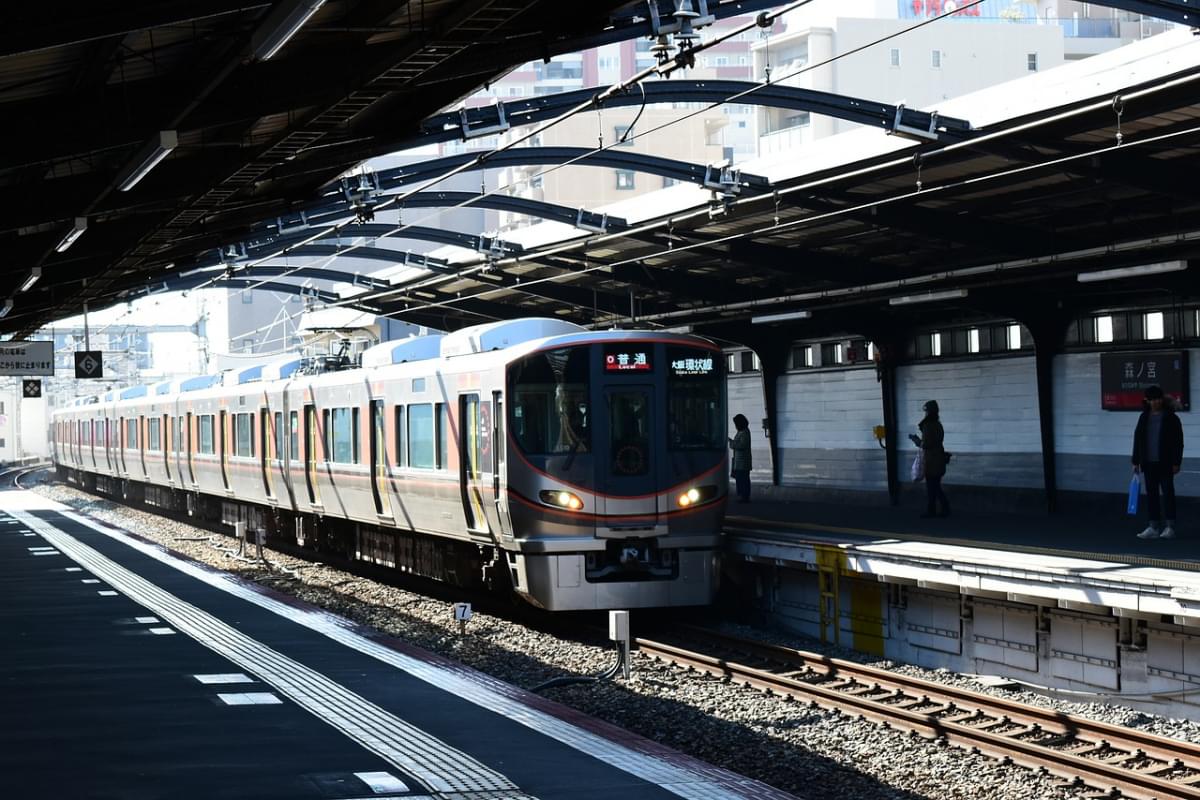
<point>808,751</point>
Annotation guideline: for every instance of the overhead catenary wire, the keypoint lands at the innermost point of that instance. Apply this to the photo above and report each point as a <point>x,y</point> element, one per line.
<point>844,291</point>
<point>596,101</point>
<point>763,20</point>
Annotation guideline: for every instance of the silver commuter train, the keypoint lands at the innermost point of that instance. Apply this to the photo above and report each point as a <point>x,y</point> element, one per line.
<point>585,469</point>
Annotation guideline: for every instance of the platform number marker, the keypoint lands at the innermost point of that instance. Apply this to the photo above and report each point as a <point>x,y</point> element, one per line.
<point>462,613</point>
<point>89,364</point>
<point>31,387</point>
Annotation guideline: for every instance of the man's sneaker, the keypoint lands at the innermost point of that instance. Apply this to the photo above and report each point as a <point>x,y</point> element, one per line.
<point>1150,533</point>
<point>1167,533</point>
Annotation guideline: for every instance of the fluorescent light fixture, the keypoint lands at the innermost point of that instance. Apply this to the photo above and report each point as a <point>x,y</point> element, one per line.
<point>7,307</point>
<point>34,274</point>
<point>281,25</point>
<point>1131,272</point>
<point>927,297</point>
<point>72,235</point>
<point>679,329</point>
<point>148,157</point>
<point>784,317</point>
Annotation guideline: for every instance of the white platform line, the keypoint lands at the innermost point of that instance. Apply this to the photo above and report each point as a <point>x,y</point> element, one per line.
<point>701,783</point>
<point>411,750</point>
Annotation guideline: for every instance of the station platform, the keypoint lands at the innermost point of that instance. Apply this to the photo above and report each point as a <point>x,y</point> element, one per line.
<point>1063,602</point>
<point>132,673</point>
<point>1060,559</point>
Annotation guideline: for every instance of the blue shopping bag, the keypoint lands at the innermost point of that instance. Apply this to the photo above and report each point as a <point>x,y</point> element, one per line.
<point>1135,492</point>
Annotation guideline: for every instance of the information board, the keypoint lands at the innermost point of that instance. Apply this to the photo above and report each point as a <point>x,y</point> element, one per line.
<point>26,358</point>
<point>1124,378</point>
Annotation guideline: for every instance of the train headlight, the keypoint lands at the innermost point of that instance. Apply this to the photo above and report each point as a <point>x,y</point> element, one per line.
<point>561,499</point>
<point>696,494</point>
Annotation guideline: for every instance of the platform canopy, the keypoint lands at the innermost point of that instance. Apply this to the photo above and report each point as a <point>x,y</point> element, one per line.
<point>141,134</point>
<point>996,203</point>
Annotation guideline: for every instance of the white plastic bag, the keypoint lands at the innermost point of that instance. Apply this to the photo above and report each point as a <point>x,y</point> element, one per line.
<point>918,466</point>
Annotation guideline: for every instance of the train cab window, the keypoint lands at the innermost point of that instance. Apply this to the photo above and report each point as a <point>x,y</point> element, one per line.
<point>401,451</point>
<point>443,436</point>
<point>629,428</point>
<point>152,434</point>
<point>695,416</point>
<point>294,433</point>
<point>277,420</point>
<point>420,436</point>
<point>341,435</point>
<point>205,445</point>
<point>243,435</point>
<point>550,402</point>
<point>131,434</point>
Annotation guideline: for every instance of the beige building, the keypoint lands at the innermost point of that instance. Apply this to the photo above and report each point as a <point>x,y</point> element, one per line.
<point>696,140</point>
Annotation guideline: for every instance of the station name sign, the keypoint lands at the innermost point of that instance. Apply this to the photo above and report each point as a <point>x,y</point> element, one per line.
<point>1125,377</point>
<point>26,358</point>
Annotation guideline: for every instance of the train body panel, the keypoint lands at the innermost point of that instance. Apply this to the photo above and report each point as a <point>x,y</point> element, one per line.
<point>588,467</point>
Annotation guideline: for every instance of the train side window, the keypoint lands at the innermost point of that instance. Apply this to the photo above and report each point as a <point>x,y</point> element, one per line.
<point>278,437</point>
<point>131,439</point>
<point>243,437</point>
<point>420,436</point>
<point>401,451</point>
<point>205,446</point>
<point>294,432</point>
<point>443,436</point>
<point>153,434</point>
<point>342,432</point>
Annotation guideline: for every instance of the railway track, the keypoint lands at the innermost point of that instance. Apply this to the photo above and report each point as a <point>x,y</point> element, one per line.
<point>1104,761</point>
<point>11,476</point>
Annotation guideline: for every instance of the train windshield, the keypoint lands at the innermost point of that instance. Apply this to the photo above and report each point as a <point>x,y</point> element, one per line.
<point>550,402</point>
<point>694,406</point>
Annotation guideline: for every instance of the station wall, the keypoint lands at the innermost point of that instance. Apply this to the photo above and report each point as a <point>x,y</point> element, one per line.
<point>988,408</point>
<point>989,411</point>
<point>1093,446</point>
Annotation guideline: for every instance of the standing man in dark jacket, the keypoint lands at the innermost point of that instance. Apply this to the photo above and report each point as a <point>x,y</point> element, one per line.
<point>934,452</point>
<point>1158,455</point>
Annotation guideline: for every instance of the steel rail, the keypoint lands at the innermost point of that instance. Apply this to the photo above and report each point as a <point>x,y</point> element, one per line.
<point>1033,736</point>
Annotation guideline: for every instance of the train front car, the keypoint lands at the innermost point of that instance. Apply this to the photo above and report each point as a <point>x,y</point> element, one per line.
<point>616,474</point>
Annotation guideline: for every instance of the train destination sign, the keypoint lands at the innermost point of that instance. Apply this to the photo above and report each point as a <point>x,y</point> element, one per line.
<point>26,358</point>
<point>1124,378</point>
<point>692,366</point>
<point>626,359</point>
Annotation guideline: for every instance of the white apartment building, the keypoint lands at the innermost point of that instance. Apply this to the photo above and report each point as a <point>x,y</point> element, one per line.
<point>990,43</point>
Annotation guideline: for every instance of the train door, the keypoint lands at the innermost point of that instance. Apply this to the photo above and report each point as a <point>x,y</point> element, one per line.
<point>190,462</point>
<point>223,439</point>
<point>95,426</point>
<point>624,455</point>
<point>122,443</point>
<point>108,443</point>
<point>310,454</point>
<point>379,463</point>
<point>470,445</point>
<point>282,439</point>
<point>266,435</point>
<point>499,448</point>
<point>166,444</point>
<point>141,442</point>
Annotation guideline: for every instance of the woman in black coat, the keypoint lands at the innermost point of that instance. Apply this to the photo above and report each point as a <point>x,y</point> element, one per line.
<point>934,453</point>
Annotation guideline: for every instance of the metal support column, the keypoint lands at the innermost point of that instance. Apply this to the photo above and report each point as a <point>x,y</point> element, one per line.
<point>886,373</point>
<point>1044,365</point>
<point>1048,329</point>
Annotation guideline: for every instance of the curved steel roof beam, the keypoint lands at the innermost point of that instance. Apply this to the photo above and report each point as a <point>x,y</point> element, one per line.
<point>421,171</point>
<point>336,208</point>
<point>894,119</point>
